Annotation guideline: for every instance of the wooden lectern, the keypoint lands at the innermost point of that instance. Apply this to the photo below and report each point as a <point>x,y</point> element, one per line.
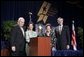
<point>5,52</point>
<point>40,46</point>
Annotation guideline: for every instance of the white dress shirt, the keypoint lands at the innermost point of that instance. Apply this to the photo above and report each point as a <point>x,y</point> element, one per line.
<point>22,30</point>
<point>60,28</point>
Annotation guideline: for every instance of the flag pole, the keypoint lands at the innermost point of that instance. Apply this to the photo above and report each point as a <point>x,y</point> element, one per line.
<point>73,42</point>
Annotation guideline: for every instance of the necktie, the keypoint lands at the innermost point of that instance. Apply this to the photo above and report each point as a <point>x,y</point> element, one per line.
<point>60,29</point>
<point>22,30</point>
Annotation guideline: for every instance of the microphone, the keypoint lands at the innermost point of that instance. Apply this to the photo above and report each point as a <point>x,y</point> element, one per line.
<point>73,21</point>
<point>30,13</point>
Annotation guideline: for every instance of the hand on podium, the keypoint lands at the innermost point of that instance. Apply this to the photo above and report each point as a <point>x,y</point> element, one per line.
<point>68,46</point>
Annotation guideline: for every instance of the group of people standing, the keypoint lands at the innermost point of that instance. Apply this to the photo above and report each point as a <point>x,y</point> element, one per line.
<point>20,39</point>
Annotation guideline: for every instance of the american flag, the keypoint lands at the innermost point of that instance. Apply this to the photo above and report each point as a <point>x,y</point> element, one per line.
<point>73,41</point>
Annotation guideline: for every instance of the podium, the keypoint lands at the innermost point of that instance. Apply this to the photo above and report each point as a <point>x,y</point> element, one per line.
<point>40,46</point>
<point>5,52</point>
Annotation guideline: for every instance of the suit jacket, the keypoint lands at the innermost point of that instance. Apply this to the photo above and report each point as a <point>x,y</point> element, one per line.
<point>18,40</point>
<point>63,39</point>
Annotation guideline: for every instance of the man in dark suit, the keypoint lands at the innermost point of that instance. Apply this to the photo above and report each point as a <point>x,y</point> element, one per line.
<point>17,40</point>
<point>62,35</point>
